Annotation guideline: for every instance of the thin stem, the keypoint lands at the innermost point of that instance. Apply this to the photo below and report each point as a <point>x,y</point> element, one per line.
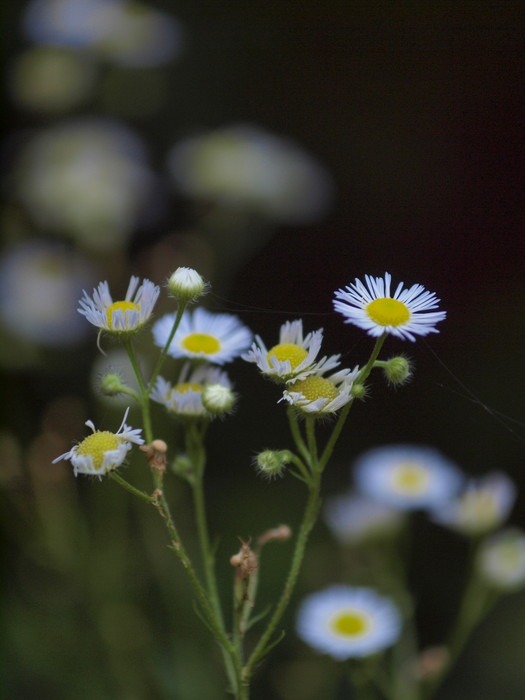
<point>307,523</point>
<point>296,434</point>
<point>143,391</point>
<point>126,485</point>
<point>164,351</point>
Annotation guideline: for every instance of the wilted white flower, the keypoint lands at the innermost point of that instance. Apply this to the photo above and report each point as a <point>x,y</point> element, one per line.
<point>317,395</point>
<point>102,451</point>
<point>295,355</point>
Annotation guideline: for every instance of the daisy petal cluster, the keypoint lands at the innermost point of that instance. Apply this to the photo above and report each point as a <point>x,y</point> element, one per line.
<point>407,477</point>
<point>483,505</point>
<point>347,622</point>
<point>295,355</point>
<point>372,306</point>
<point>185,398</point>
<point>319,395</point>
<point>203,335</point>
<point>120,316</point>
<point>102,451</point>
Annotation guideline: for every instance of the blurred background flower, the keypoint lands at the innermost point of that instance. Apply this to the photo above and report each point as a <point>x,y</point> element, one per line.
<point>282,151</point>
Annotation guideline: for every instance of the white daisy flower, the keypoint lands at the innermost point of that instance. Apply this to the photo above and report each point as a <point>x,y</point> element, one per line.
<point>185,397</point>
<point>407,476</point>
<point>202,335</point>
<point>483,505</point>
<point>347,622</point>
<point>501,559</point>
<point>318,395</point>
<point>120,316</point>
<point>405,313</point>
<point>354,518</point>
<point>294,357</point>
<point>102,451</point>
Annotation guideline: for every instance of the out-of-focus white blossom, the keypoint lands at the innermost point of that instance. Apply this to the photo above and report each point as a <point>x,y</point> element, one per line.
<point>51,80</point>
<point>88,179</point>
<point>244,166</point>
<point>39,286</point>
<point>126,32</point>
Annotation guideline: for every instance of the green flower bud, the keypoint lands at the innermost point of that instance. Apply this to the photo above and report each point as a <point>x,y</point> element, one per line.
<point>182,466</point>
<point>358,391</point>
<point>112,384</point>
<point>397,370</point>
<point>272,463</point>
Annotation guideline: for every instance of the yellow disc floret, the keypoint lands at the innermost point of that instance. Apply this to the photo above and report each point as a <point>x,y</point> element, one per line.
<point>313,388</point>
<point>350,624</point>
<point>388,312</point>
<point>201,343</point>
<point>96,445</point>
<point>120,306</point>
<point>186,387</point>
<point>295,354</point>
<point>410,477</point>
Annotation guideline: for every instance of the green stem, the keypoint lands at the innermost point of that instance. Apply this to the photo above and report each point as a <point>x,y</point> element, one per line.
<point>126,485</point>
<point>307,523</point>
<point>143,391</point>
<point>164,351</point>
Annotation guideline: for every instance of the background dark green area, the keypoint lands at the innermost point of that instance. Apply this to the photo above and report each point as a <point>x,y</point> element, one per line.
<point>417,110</point>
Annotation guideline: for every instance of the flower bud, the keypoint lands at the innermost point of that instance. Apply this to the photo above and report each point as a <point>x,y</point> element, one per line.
<point>185,284</point>
<point>182,466</point>
<point>272,463</point>
<point>397,370</point>
<point>358,390</point>
<point>218,399</point>
<point>112,384</point>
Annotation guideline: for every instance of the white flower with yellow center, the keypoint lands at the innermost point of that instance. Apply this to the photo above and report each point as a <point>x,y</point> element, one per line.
<point>405,313</point>
<point>347,622</point>
<point>294,356</point>
<point>483,505</point>
<point>318,395</point>
<point>407,477</point>
<point>185,397</point>
<point>202,335</point>
<point>102,451</point>
<point>501,559</point>
<point>120,316</point>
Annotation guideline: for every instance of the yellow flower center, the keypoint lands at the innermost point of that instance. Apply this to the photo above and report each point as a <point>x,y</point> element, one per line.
<point>201,343</point>
<point>120,306</point>
<point>388,312</point>
<point>186,387</point>
<point>295,354</point>
<point>97,445</point>
<point>350,624</point>
<point>410,477</point>
<point>313,388</point>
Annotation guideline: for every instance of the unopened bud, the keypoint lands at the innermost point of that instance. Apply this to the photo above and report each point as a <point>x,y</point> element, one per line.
<point>112,384</point>
<point>185,284</point>
<point>156,455</point>
<point>218,399</point>
<point>272,463</point>
<point>397,370</point>
<point>182,465</point>
<point>358,390</point>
